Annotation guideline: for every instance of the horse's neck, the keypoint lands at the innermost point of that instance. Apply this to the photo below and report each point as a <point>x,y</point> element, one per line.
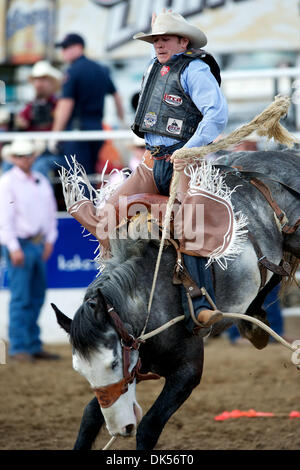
<point>135,311</point>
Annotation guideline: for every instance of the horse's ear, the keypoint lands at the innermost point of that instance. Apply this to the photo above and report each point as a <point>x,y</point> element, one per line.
<point>62,319</point>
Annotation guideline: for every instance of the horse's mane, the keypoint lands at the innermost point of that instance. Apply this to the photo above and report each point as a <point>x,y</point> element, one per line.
<point>118,280</point>
<point>87,328</point>
<point>117,284</point>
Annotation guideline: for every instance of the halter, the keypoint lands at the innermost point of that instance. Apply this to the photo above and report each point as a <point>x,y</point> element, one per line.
<point>108,394</point>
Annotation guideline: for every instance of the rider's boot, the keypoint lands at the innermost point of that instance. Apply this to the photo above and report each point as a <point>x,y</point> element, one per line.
<point>209,317</point>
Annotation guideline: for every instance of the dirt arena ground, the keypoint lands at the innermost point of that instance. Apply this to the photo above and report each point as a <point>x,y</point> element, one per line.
<point>41,404</point>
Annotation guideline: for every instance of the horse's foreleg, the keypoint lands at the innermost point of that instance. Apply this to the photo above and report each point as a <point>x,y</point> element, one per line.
<point>177,389</point>
<point>91,422</point>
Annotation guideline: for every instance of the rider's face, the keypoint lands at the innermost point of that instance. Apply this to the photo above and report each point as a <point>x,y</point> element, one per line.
<point>167,45</point>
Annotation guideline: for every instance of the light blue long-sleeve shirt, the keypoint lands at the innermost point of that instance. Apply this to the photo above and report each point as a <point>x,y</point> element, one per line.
<point>202,87</point>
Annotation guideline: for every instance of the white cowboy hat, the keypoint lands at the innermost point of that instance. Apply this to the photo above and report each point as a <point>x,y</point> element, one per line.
<point>6,153</point>
<point>174,24</point>
<point>21,147</point>
<point>45,69</point>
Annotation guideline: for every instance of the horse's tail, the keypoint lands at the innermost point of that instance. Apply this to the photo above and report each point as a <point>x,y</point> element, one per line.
<point>287,281</point>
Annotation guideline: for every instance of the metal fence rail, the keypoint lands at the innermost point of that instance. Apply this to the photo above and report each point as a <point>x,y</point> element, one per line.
<point>67,135</point>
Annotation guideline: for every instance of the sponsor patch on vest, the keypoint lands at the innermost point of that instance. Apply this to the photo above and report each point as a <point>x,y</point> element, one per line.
<point>174,126</point>
<point>175,100</point>
<point>164,70</point>
<point>150,119</point>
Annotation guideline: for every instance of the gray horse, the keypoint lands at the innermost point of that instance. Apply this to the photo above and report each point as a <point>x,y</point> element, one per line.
<point>175,354</point>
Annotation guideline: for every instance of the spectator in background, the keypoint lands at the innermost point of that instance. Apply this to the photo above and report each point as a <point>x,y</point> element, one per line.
<point>4,127</point>
<point>109,157</point>
<point>4,119</point>
<point>81,106</point>
<point>38,115</point>
<point>28,230</point>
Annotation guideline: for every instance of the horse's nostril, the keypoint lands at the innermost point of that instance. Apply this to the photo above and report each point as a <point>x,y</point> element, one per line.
<point>129,428</point>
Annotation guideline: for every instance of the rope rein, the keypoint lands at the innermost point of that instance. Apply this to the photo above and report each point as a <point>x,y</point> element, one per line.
<point>242,316</point>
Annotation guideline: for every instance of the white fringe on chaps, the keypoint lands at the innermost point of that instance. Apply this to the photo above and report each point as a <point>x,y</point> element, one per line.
<point>207,178</point>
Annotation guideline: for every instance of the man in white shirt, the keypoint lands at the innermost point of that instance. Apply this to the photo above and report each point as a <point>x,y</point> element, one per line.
<point>28,230</point>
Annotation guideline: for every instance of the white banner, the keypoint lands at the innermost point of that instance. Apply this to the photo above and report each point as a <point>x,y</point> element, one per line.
<point>230,25</point>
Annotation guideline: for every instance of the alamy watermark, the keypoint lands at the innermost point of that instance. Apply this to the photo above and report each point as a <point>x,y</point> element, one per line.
<point>187,221</point>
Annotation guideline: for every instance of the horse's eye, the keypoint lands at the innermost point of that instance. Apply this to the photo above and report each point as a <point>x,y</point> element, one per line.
<point>114,364</point>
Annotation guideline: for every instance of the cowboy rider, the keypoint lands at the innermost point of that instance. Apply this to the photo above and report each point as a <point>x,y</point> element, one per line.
<point>180,105</point>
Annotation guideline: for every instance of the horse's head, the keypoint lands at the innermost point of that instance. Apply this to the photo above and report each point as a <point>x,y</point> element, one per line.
<point>97,355</point>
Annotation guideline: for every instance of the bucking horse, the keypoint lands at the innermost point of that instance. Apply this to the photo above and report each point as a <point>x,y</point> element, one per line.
<point>106,328</point>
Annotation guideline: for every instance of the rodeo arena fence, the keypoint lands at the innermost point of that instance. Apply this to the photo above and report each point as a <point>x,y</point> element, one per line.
<point>72,264</point>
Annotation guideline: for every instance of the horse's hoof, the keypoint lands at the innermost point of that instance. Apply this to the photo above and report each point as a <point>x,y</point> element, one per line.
<point>256,335</point>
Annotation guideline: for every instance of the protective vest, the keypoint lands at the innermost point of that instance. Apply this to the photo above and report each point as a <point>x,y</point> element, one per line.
<point>164,108</point>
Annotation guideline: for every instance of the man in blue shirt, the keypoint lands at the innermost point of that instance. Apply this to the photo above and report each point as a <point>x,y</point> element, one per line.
<point>170,116</point>
<point>85,86</point>
<point>180,105</point>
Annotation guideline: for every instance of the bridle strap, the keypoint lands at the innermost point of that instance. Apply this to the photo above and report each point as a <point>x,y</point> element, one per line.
<point>127,339</point>
<point>128,342</point>
<point>108,394</point>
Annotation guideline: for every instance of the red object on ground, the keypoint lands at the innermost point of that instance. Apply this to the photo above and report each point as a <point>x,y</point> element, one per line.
<point>252,414</point>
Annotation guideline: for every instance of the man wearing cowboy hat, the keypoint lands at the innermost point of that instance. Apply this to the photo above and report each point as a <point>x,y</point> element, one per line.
<point>38,115</point>
<point>180,105</point>
<point>28,230</point>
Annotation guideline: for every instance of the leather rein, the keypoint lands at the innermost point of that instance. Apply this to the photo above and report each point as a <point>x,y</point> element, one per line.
<point>108,394</point>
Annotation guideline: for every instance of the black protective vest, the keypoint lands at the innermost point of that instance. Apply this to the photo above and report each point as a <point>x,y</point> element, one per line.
<point>164,108</point>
